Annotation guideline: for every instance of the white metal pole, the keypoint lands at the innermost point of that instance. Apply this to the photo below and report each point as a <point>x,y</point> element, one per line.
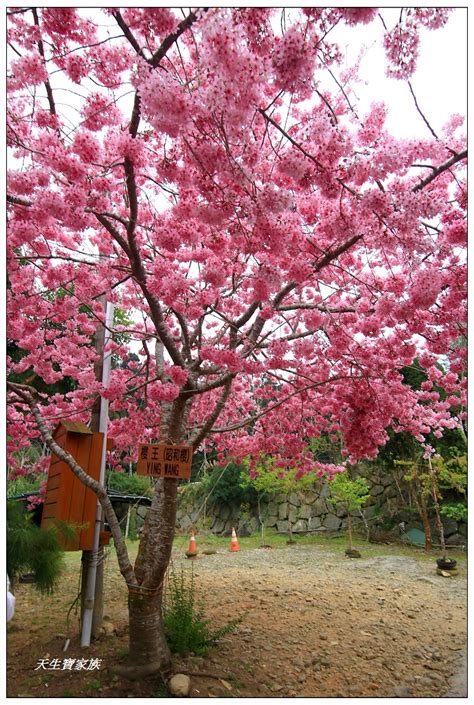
<point>103,423</point>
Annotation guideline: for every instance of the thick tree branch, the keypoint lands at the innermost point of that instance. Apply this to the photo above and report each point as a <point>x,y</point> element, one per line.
<point>112,231</point>
<point>317,307</point>
<point>139,272</point>
<point>440,169</point>
<point>154,61</point>
<point>215,384</point>
<point>172,38</point>
<point>196,439</point>
<point>334,254</point>
<point>128,33</point>
<point>17,201</point>
<point>47,84</point>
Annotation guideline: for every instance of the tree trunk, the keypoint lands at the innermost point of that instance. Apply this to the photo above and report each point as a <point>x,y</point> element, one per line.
<point>423,512</point>
<point>148,651</point>
<point>349,530</point>
<point>260,518</point>
<point>434,494</point>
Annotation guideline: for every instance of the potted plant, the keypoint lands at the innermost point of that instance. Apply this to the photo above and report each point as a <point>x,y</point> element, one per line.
<point>351,495</point>
<point>429,477</point>
<point>444,563</point>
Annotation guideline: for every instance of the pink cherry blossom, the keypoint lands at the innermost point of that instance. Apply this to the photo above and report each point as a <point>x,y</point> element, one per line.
<point>280,258</point>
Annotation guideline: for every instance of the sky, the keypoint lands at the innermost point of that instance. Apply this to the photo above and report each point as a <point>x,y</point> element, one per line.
<point>439,83</point>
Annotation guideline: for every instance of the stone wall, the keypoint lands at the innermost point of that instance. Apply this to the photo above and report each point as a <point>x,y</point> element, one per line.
<point>311,511</point>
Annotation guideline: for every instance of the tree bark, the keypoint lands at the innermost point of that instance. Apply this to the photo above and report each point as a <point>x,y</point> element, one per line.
<point>148,652</point>
<point>349,530</point>
<point>434,494</point>
<point>423,512</point>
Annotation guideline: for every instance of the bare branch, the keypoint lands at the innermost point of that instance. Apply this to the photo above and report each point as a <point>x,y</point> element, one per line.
<point>440,169</point>
<point>424,118</point>
<point>47,84</point>
<point>304,151</point>
<point>201,434</point>
<point>128,33</point>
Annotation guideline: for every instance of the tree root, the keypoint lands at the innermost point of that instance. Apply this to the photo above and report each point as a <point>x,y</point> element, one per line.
<point>201,674</point>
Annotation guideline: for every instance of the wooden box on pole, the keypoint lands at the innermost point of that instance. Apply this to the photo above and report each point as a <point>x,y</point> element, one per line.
<point>68,499</point>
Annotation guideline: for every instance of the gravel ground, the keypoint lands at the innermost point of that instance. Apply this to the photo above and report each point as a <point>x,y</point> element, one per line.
<point>313,624</point>
<point>316,624</point>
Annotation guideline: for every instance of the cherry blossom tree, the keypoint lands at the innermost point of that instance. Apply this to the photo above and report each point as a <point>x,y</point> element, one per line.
<point>281,256</point>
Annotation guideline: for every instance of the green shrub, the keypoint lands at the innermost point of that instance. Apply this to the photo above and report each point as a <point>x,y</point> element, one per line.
<point>186,628</point>
<point>137,485</point>
<point>219,485</point>
<point>24,484</point>
<point>455,510</point>
<point>34,550</point>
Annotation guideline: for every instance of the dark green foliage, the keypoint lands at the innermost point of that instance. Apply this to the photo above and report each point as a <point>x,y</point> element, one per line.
<point>325,450</point>
<point>129,484</point>
<point>186,628</point>
<point>34,550</point>
<point>225,487</point>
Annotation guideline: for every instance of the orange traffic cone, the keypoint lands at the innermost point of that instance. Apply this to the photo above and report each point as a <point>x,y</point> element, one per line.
<point>234,544</point>
<point>192,548</point>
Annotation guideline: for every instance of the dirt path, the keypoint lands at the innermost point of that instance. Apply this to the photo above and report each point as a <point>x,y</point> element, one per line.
<point>314,624</point>
<point>317,624</point>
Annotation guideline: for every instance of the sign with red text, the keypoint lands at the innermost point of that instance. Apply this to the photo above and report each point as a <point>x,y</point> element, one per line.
<point>165,460</point>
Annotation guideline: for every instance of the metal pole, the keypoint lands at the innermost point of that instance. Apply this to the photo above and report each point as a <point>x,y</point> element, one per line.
<point>103,423</point>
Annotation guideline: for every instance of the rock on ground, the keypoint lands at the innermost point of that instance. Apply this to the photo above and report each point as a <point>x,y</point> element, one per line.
<point>179,685</point>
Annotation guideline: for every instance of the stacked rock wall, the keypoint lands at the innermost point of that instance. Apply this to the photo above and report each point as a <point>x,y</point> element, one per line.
<point>311,511</point>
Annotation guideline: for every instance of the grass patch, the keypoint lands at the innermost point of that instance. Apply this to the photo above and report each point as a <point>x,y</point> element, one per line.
<point>161,691</point>
<point>95,685</point>
<point>336,544</point>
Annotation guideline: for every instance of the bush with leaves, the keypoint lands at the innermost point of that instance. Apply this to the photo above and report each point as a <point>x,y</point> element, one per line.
<point>218,485</point>
<point>34,550</point>
<point>24,484</point>
<point>349,494</point>
<point>186,628</point>
<point>454,510</point>
<point>137,485</point>
<point>271,480</point>
<point>430,479</point>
